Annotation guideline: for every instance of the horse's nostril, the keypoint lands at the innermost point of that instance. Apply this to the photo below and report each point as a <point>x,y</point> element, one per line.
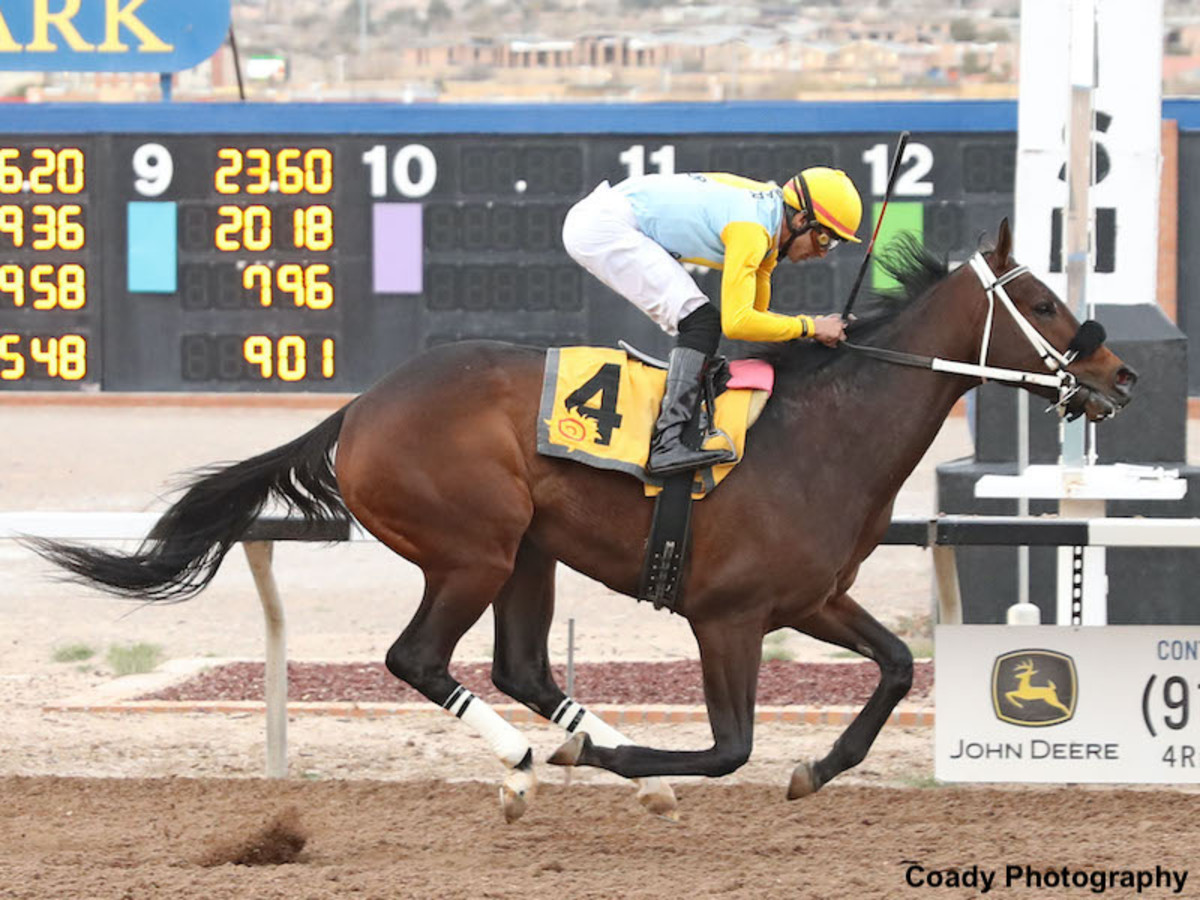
<point>1125,379</point>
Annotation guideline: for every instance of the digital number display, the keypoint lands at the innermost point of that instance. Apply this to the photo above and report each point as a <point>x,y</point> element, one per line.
<point>43,357</point>
<point>291,358</point>
<point>288,171</point>
<point>49,265</point>
<point>233,263</point>
<point>271,261</point>
<point>43,170</point>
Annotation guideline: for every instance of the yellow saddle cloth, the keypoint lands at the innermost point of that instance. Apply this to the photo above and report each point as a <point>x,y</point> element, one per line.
<point>599,407</point>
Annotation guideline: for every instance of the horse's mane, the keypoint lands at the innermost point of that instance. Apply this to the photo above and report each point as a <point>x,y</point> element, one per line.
<point>915,269</point>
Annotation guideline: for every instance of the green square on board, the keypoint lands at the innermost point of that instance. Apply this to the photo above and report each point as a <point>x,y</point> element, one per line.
<point>908,216</point>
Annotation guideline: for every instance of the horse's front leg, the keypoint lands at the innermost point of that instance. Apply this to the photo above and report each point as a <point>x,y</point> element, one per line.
<point>453,602</point>
<point>730,653</point>
<point>524,611</point>
<point>845,623</point>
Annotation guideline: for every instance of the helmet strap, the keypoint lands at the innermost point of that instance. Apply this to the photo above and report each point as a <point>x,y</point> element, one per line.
<point>793,233</point>
<point>802,195</point>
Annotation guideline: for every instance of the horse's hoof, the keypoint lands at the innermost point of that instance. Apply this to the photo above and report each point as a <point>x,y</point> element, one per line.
<point>570,752</point>
<point>804,782</point>
<point>657,797</point>
<point>518,789</point>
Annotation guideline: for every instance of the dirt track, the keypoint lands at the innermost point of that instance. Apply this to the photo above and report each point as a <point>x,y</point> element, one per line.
<point>144,838</point>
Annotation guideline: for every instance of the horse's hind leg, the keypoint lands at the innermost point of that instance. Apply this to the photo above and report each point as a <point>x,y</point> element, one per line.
<point>452,603</point>
<point>845,623</point>
<point>524,611</point>
<point>730,653</point>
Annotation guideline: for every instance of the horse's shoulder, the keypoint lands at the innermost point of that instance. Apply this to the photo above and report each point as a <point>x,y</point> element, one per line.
<point>482,352</point>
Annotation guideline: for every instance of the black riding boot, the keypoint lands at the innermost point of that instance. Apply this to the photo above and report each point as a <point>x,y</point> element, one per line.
<point>668,452</point>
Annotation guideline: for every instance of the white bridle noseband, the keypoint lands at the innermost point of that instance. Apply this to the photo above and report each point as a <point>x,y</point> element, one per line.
<point>993,287</point>
<point>1058,378</point>
<point>1056,362</point>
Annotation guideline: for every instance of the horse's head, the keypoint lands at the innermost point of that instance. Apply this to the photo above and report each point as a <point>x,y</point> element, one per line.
<point>1104,382</point>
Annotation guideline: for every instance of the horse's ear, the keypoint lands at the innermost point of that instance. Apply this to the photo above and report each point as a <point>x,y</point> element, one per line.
<point>1004,244</point>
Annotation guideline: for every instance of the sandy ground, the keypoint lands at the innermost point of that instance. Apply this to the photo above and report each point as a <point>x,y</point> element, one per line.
<point>136,839</point>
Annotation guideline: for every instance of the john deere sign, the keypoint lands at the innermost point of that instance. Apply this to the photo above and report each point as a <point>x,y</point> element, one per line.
<point>110,35</point>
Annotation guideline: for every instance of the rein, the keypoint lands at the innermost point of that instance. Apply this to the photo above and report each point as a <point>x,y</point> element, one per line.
<point>1060,379</point>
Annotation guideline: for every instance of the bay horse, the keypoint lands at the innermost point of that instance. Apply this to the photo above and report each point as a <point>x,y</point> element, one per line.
<point>439,462</point>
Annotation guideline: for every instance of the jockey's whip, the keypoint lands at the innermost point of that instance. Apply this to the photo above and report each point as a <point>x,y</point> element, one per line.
<point>887,195</point>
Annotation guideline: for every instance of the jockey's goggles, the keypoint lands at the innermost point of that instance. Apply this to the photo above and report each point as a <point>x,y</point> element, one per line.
<point>826,239</point>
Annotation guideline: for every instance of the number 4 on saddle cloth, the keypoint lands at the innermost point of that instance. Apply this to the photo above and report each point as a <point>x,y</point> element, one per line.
<point>599,407</point>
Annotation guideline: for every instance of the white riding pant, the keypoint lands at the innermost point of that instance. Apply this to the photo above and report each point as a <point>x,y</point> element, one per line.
<point>601,233</point>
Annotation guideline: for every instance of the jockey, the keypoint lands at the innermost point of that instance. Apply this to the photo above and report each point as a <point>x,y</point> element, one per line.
<point>634,236</point>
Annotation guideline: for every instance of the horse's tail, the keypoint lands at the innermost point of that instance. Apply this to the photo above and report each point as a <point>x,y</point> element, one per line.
<point>184,551</point>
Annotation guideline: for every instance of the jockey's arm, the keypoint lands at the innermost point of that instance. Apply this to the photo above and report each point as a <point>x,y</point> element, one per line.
<point>762,283</point>
<point>746,289</point>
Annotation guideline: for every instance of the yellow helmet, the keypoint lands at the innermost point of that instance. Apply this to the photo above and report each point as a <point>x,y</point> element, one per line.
<point>831,196</point>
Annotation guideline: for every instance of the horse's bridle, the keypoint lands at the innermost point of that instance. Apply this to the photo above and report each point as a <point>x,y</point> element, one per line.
<point>1087,340</point>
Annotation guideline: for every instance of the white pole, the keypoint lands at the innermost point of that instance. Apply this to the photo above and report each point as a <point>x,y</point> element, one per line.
<point>1079,175</point>
<point>1081,570</point>
<point>1023,612</point>
<point>258,554</point>
<point>571,656</point>
<point>570,675</point>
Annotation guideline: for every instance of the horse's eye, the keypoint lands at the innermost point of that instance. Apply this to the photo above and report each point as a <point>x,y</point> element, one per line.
<point>1044,308</point>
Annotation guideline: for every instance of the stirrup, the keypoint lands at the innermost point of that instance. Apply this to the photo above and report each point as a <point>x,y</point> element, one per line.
<point>688,459</point>
<point>705,419</point>
<point>730,451</point>
<point>693,464</point>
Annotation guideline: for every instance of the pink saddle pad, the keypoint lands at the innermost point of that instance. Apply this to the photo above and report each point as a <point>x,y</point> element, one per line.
<point>754,374</point>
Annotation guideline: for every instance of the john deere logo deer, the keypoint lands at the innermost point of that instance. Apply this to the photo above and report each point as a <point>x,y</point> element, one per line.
<point>1034,688</point>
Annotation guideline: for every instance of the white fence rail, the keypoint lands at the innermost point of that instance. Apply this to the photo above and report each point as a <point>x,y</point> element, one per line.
<point>940,534</point>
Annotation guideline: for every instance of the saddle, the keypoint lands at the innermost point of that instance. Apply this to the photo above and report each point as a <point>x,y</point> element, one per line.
<point>599,406</point>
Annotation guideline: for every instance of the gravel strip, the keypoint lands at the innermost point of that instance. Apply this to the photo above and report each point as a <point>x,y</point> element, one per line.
<point>781,683</point>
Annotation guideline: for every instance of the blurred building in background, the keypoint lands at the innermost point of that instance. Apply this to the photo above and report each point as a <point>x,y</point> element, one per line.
<point>629,50</point>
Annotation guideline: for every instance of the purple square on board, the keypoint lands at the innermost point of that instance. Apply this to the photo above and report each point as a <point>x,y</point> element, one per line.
<point>398,248</point>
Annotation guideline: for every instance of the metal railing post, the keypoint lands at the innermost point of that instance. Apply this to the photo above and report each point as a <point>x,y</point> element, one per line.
<point>258,554</point>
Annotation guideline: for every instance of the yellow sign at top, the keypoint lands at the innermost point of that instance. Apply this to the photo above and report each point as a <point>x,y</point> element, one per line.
<point>110,35</point>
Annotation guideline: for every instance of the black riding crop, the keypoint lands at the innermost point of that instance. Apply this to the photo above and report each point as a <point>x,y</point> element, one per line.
<point>887,195</point>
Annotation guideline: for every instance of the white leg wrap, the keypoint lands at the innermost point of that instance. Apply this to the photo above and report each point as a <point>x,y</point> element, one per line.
<point>506,742</point>
<point>573,717</point>
<point>653,793</point>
